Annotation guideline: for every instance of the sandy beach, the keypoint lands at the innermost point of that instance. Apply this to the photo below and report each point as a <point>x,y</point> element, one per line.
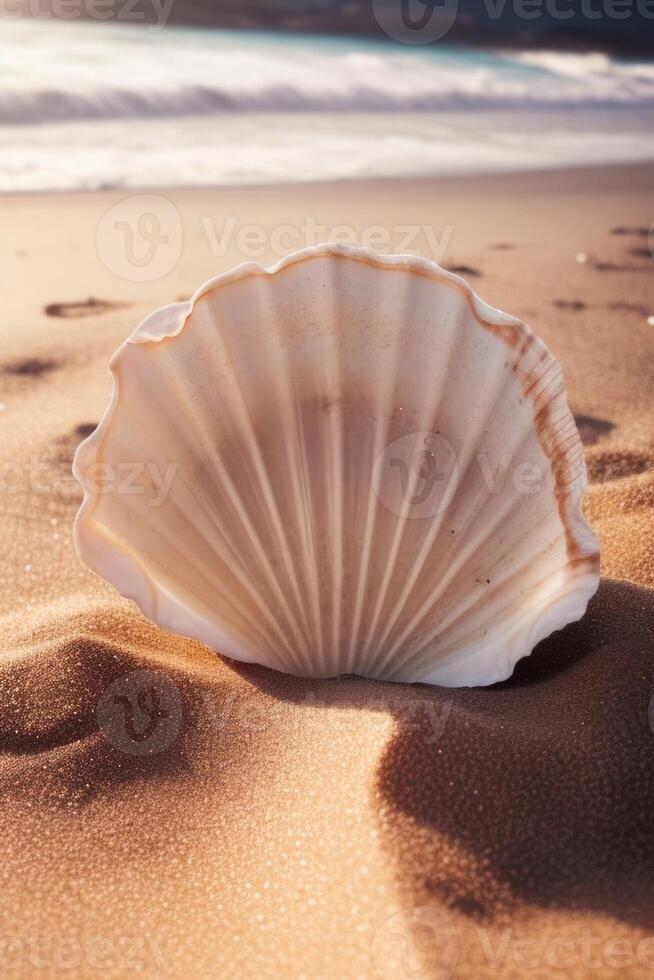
<point>345,828</point>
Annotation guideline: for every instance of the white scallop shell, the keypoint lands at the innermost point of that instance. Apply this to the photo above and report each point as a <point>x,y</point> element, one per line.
<point>345,464</point>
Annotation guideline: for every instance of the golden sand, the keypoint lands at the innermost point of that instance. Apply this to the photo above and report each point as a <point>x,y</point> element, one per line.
<point>274,826</point>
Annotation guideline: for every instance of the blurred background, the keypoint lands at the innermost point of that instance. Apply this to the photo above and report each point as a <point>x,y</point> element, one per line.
<point>143,93</point>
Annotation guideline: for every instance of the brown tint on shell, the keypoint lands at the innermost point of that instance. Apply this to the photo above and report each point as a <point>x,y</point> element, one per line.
<point>563,454</point>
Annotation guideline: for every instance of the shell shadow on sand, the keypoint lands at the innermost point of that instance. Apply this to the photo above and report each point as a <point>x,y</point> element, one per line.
<point>541,789</point>
<point>536,792</point>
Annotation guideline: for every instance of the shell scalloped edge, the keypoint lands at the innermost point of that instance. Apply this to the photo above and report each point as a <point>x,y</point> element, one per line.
<point>491,662</point>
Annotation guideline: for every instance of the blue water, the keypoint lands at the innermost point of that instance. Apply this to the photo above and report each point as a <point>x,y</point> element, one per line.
<point>86,104</point>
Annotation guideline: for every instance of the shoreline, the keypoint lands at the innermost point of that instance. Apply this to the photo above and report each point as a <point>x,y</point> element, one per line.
<point>566,173</point>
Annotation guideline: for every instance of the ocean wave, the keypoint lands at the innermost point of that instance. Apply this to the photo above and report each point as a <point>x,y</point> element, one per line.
<point>89,71</point>
<point>58,105</point>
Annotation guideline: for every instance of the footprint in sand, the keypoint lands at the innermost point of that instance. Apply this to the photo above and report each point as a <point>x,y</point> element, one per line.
<point>84,429</point>
<point>628,308</point>
<point>69,442</point>
<point>88,307</point>
<point>463,270</point>
<point>640,231</point>
<point>645,251</point>
<point>574,305</point>
<point>591,428</point>
<point>616,465</point>
<point>617,267</point>
<point>32,367</point>
<point>606,465</point>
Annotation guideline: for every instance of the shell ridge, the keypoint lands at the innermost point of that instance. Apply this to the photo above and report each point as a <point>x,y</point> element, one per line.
<point>381,437</point>
<point>251,441</point>
<point>336,468</point>
<point>373,655</point>
<point>151,597</point>
<point>494,399</point>
<point>297,471</point>
<point>487,417</point>
<point>154,583</point>
<point>245,580</point>
<point>364,607</point>
<point>455,616</point>
<point>459,563</point>
<point>504,650</point>
<point>455,567</point>
<point>568,580</point>
<point>234,499</point>
<point>237,570</point>
<point>385,393</point>
<point>311,534</point>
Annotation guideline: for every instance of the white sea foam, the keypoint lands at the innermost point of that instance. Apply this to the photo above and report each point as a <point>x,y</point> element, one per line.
<point>88,104</point>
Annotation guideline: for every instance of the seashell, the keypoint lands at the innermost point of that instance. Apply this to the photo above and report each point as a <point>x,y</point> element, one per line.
<point>347,463</point>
